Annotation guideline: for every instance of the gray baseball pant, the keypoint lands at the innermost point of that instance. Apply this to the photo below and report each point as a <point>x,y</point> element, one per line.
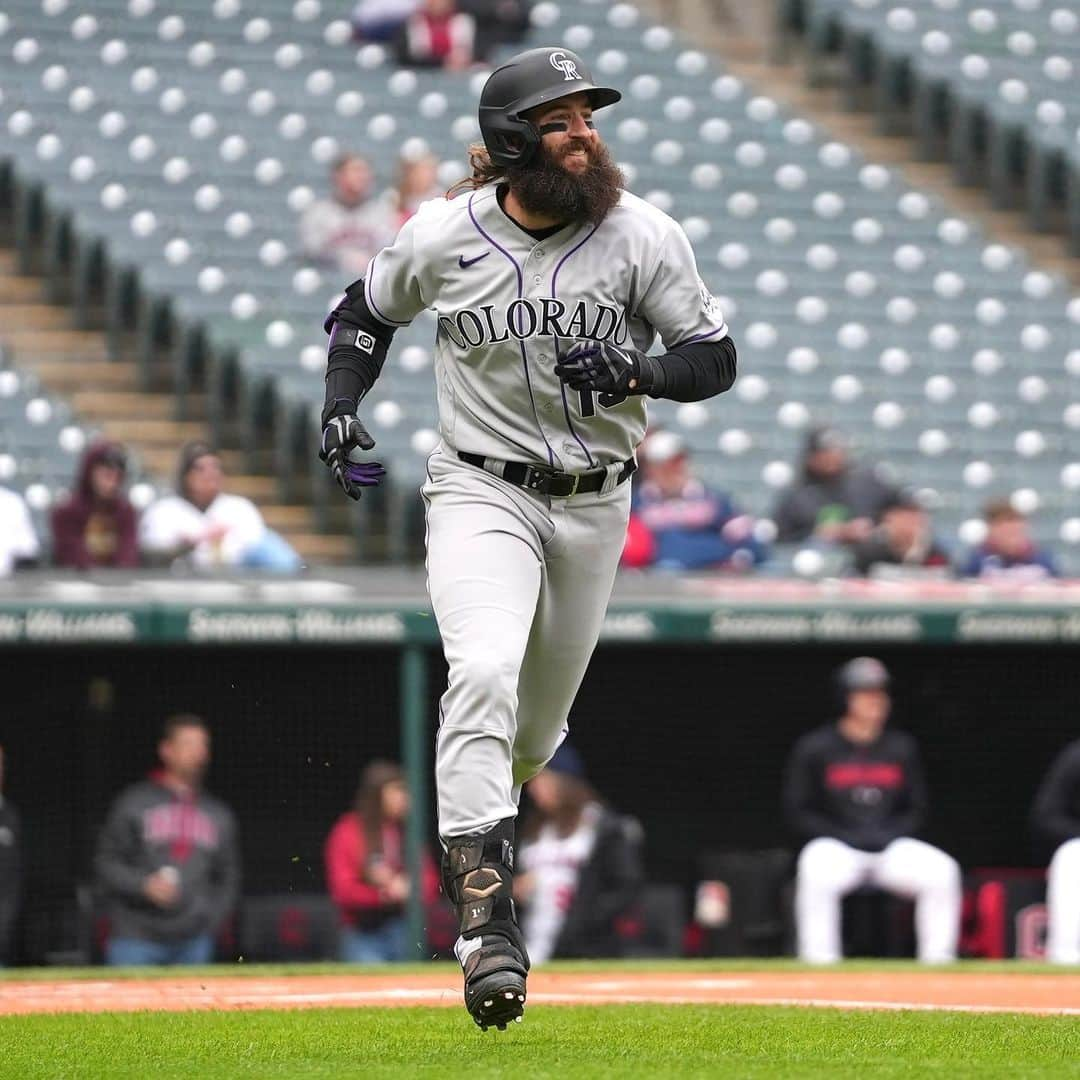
<point>519,584</point>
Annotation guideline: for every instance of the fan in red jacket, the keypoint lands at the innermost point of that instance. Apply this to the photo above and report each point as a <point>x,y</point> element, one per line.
<point>366,873</point>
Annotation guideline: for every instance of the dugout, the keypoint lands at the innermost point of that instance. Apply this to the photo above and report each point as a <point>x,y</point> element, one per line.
<point>691,704</point>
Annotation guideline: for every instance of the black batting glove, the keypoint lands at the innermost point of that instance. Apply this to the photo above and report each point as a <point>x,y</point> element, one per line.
<point>606,369</point>
<point>341,436</point>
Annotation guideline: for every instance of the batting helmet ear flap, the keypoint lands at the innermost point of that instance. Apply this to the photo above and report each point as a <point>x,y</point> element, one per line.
<point>510,140</point>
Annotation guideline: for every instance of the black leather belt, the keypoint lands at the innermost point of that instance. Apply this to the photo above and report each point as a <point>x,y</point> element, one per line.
<point>558,485</point>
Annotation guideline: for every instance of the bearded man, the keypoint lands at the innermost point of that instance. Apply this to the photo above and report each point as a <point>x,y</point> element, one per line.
<point>550,282</point>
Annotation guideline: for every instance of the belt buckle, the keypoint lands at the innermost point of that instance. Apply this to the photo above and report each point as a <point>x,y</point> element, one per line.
<point>534,478</point>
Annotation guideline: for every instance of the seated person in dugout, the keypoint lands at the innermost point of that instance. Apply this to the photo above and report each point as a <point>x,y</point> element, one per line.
<point>854,792</point>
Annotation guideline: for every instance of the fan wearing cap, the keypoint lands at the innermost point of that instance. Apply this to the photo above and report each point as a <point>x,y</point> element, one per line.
<point>854,792</point>
<point>96,525</point>
<point>677,523</point>
<point>550,284</point>
<point>580,866</point>
<point>834,501</point>
<point>905,538</point>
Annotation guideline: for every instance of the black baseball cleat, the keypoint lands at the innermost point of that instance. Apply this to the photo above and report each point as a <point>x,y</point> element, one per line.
<point>494,980</point>
<point>477,876</point>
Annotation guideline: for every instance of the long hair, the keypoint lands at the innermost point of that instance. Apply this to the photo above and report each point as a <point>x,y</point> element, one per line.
<point>484,171</point>
<point>577,794</point>
<point>368,806</point>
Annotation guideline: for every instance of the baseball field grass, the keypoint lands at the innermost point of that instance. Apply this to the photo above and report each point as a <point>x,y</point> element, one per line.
<point>560,1042</point>
<point>564,1041</point>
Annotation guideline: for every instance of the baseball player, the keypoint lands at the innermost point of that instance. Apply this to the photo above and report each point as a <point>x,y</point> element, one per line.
<point>550,282</point>
<point>854,790</point>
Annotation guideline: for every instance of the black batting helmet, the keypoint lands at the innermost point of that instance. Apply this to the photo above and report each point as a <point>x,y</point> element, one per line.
<point>529,79</point>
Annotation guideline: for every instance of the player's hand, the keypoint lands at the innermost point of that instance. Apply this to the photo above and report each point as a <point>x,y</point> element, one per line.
<point>341,436</point>
<point>397,891</point>
<point>161,889</point>
<point>605,369</point>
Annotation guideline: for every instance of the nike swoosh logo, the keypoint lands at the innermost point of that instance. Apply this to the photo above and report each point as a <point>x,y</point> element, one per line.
<point>463,262</point>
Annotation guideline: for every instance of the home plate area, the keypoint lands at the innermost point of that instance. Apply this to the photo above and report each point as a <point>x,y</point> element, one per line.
<point>891,990</point>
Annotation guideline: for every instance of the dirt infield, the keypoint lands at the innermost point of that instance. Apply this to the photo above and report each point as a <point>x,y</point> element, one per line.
<point>964,992</point>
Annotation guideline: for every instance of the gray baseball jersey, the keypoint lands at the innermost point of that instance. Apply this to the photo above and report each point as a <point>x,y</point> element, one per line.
<point>519,582</point>
<point>507,302</point>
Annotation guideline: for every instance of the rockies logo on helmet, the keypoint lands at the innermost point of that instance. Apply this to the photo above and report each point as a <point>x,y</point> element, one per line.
<point>561,62</point>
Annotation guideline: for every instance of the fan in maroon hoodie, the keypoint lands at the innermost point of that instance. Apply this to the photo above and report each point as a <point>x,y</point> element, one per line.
<point>365,869</point>
<point>95,525</point>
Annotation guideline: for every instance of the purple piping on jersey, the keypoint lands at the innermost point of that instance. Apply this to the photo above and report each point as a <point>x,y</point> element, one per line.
<point>521,344</point>
<point>371,300</point>
<point>702,337</point>
<point>562,385</point>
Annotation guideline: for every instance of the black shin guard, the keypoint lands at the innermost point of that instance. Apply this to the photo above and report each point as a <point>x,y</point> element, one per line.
<point>478,878</point>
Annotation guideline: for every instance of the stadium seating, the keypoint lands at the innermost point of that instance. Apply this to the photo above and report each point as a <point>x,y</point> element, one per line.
<point>990,83</point>
<point>171,154</point>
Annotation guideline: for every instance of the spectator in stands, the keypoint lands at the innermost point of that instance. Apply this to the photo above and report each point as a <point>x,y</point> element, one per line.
<point>10,870</point>
<point>834,501</point>
<point>345,230</point>
<point>678,523</point>
<point>380,20</point>
<point>96,524</point>
<point>167,858</point>
<point>19,545</point>
<point>498,22</point>
<point>854,793</point>
<point>1056,817</point>
<point>904,538</point>
<point>418,181</point>
<point>1008,553</point>
<point>366,873</point>
<point>579,867</point>
<point>437,34</point>
<point>208,528</point>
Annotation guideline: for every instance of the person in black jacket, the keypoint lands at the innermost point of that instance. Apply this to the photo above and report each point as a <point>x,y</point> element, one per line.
<point>1056,817</point>
<point>855,793</point>
<point>10,841</point>
<point>580,865</point>
<point>833,501</point>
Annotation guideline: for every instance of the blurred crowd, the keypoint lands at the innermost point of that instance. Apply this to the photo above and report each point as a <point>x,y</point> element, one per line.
<point>857,520</point>
<point>167,865</point>
<point>855,798</point>
<point>845,511</point>
<point>839,515</point>
<point>201,525</point>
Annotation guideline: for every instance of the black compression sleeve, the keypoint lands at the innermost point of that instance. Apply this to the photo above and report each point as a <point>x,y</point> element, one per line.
<point>356,353</point>
<point>696,371</point>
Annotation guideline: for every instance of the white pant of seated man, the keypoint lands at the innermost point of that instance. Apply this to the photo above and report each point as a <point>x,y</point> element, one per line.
<point>829,869</point>
<point>1063,905</point>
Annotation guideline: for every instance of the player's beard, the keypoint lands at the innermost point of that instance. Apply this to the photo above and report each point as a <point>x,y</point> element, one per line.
<point>546,188</point>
